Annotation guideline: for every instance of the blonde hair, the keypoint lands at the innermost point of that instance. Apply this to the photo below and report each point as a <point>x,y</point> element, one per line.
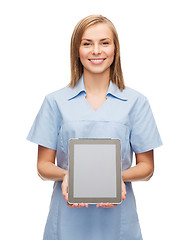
<point>116,75</point>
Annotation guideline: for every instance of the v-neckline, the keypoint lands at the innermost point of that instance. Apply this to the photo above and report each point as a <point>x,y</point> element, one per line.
<point>95,111</point>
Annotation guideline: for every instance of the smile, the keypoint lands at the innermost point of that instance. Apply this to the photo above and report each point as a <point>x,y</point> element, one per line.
<point>97,61</point>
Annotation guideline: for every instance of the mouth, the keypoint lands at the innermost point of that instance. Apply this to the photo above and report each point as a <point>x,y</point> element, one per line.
<point>97,60</point>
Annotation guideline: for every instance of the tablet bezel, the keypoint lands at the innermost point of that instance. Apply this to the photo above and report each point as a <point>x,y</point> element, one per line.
<point>94,200</point>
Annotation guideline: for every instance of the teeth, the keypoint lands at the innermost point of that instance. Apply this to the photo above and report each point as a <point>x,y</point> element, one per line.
<point>96,60</point>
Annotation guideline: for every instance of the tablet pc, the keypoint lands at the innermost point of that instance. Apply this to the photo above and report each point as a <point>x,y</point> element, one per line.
<point>94,170</point>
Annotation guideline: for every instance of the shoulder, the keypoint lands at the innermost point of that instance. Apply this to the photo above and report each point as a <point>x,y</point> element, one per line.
<point>136,101</point>
<point>56,100</point>
<point>59,95</point>
<point>133,95</point>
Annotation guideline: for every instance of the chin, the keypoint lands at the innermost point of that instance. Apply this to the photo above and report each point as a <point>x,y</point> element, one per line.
<point>99,70</point>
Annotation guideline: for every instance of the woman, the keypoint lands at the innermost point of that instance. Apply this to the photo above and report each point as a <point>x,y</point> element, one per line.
<point>96,104</point>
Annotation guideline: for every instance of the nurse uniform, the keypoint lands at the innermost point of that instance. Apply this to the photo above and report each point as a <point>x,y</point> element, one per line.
<point>66,114</point>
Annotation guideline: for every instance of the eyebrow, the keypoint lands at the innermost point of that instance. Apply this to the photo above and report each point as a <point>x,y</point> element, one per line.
<point>89,40</point>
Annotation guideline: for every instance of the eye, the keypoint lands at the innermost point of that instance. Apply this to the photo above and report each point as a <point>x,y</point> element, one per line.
<point>105,43</point>
<point>86,44</point>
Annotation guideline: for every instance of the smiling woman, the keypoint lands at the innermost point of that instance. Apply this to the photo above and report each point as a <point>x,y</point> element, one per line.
<point>96,104</point>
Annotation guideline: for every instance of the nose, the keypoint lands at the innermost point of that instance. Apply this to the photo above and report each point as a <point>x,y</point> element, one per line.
<point>96,49</point>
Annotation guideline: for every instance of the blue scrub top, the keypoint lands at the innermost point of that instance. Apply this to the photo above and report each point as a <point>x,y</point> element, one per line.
<point>66,114</point>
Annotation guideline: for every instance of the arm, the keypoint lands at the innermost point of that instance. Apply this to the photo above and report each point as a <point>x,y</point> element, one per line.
<point>143,170</point>
<point>46,167</point>
<point>47,170</point>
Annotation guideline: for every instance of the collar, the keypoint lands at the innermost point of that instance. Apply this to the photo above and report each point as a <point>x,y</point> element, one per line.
<point>113,90</point>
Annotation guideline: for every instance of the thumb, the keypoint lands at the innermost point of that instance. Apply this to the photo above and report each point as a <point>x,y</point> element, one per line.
<point>65,188</point>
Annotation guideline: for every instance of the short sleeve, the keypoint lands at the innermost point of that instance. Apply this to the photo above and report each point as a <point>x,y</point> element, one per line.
<point>45,128</point>
<point>144,134</point>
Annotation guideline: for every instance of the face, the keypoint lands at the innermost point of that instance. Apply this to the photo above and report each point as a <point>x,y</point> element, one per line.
<point>97,49</point>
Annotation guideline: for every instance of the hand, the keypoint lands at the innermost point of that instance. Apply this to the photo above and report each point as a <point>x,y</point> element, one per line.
<point>106,205</point>
<point>124,192</point>
<point>109,205</point>
<point>64,187</point>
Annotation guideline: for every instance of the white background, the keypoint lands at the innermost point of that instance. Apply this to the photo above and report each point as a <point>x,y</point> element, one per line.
<point>156,51</point>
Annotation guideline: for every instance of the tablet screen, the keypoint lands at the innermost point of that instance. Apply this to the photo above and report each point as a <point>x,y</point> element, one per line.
<point>94,170</point>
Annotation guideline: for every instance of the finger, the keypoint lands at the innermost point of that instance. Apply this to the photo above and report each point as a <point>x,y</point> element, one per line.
<point>113,205</point>
<point>123,195</point>
<point>84,204</point>
<point>69,205</point>
<point>98,205</point>
<point>80,205</point>
<point>102,205</point>
<point>76,205</point>
<point>65,191</point>
<point>65,194</point>
<point>124,192</point>
<point>108,205</point>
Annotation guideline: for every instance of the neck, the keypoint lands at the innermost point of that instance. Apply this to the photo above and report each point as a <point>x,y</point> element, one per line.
<point>96,83</point>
